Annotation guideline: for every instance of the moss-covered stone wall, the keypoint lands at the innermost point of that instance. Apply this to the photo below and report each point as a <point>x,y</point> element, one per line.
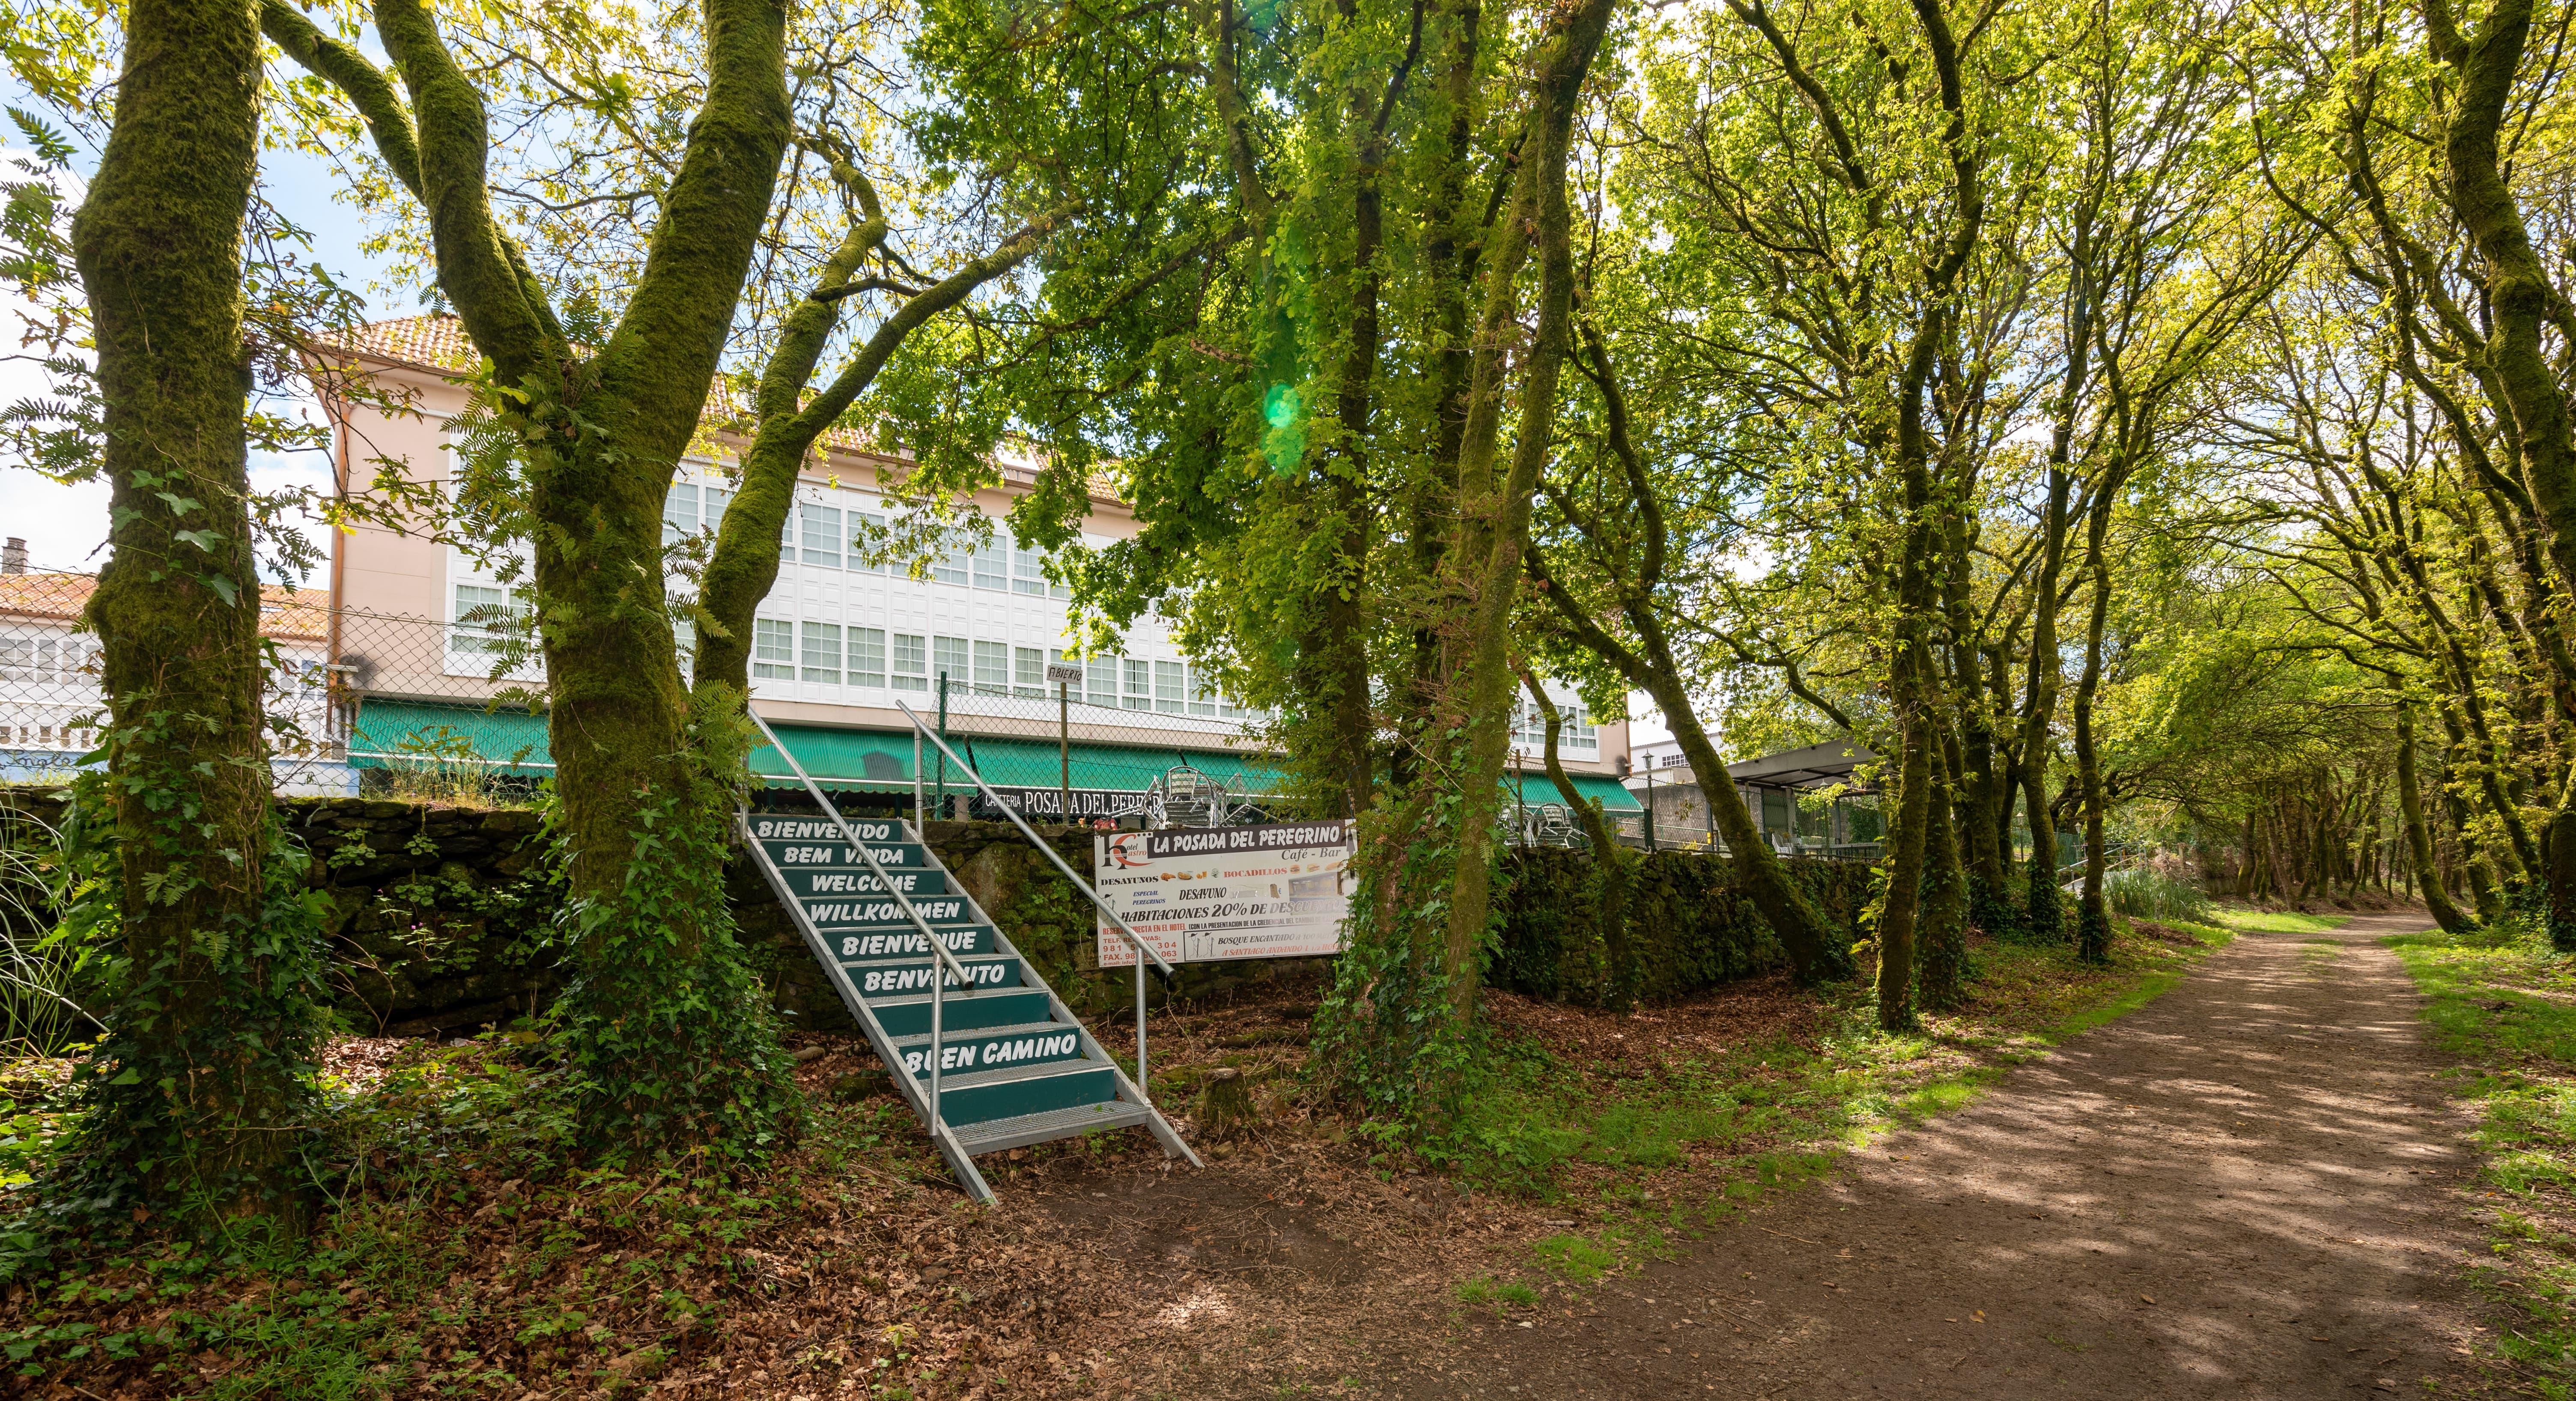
<point>1687,925</point>
<point>441,917</point>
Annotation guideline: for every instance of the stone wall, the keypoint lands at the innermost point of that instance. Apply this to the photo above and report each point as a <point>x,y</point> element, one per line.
<point>1688,926</point>
<point>441,917</point>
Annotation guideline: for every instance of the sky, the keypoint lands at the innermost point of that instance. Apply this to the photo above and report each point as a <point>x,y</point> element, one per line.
<point>65,527</point>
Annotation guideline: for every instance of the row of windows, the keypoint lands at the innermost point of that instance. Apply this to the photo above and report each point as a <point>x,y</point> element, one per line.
<point>49,736</point>
<point>832,655</point>
<point>1577,734</point>
<point>48,660</point>
<point>824,536</point>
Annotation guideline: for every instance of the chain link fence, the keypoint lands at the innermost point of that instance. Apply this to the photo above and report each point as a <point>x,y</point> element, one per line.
<point>428,708</point>
<point>52,706</point>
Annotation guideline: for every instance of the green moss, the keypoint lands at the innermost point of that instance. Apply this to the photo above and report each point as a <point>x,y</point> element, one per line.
<point>1689,927</point>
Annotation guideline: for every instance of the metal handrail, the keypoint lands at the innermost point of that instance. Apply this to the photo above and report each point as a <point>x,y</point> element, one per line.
<point>1144,951</point>
<point>939,951</point>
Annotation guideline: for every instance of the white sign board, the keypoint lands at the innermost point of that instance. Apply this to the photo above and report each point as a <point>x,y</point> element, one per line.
<point>1068,673</point>
<point>1205,894</point>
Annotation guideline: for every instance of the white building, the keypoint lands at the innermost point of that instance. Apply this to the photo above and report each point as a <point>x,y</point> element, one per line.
<point>51,704</point>
<point>838,647</point>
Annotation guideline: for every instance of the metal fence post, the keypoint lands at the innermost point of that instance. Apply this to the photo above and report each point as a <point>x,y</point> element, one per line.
<point>1064,752</point>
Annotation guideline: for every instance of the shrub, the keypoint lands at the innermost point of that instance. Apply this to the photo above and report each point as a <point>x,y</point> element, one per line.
<point>2155,895</point>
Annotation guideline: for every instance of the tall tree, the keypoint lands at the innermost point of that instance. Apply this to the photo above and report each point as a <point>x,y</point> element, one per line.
<point>664,1021</point>
<point>201,1101</point>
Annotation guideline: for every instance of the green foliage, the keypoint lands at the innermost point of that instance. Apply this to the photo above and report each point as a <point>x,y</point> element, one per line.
<point>2500,1006</point>
<point>1388,1039</point>
<point>2043,919</point>
<point>2156,895</point>
<point>188,1057</point>
<point>1689,926</point>
<point>666,1033</point>
<point>454,1147</point>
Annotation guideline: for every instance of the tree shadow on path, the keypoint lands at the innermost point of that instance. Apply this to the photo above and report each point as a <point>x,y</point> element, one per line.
<point>2247,1189</point>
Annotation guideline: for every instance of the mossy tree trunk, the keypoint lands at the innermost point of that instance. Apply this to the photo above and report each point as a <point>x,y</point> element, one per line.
<point>1616,864</point>
<point>1941,979</point>
<point>2522,301</point>
<point>1493,497</point>
<point>1629,563</point>
<point>744,565</point>
<point>213,1023</point>
<point>2093,917</point>
<point>671,1039</point>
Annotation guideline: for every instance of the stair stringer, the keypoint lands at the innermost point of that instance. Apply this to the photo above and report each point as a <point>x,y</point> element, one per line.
<point>960,1162</point>
<point>1128,1093</point>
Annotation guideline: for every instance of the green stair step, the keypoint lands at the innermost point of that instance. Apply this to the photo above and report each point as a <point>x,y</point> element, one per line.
<point>1009,1093</point>
<point>994,1048</point>
<point>910,1016</point>
<point>1046,1125</point>
<point>869,945</point>
<point>885,912</point>
<point>820,882</point>
<point>788,827</point>
<point>839,855</point>
<point>911,976</point>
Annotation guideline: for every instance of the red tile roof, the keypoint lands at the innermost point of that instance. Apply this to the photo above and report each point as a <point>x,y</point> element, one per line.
<point>37,596</point>
<point>439,343</point>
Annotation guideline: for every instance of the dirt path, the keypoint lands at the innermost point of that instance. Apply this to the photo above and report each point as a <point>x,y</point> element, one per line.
<point>2245,1190</point>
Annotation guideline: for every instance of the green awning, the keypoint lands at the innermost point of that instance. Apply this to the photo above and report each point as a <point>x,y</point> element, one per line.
<point>425,734</point>
<point>839,758</point>
<point>1535,787</point>
<point>421,733</point>
<point>1023,763</point>
<point>514,741</point>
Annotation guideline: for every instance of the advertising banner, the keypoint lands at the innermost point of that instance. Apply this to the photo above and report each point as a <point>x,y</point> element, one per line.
<point>1205,894</point>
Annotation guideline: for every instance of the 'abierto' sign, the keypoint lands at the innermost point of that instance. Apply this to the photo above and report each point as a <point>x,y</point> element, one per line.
<point>1200,895</point>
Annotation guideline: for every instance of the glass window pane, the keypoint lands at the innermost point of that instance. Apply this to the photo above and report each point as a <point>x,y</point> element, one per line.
<point>1140,684</point>
<point>1028,572</point>
<point>949,569</point>
<point>1103,679</point>
<point>823,535</point>
<point>857,518</point>
<point>718,500</point>
<point>911,662</point>
<point>1202,691</point>
<point>1028,671</point>
<point>993,668</point>
<point>823,653</point>
<point>992,566</point>
<point>679,513</point>
<point>773,649</point>
<point>867,656</point>
<point>486,618</point>
<point>1171,686</point>
<point>948,658</point>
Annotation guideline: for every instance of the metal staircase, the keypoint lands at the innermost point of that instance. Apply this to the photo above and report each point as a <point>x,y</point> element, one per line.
<point>990,1057</point>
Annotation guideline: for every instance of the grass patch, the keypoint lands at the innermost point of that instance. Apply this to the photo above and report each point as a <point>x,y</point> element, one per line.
<point>1485,1291</point>
<point>1664,1146</point>
<point>2503,1008</point>
<point>2278,922</point>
